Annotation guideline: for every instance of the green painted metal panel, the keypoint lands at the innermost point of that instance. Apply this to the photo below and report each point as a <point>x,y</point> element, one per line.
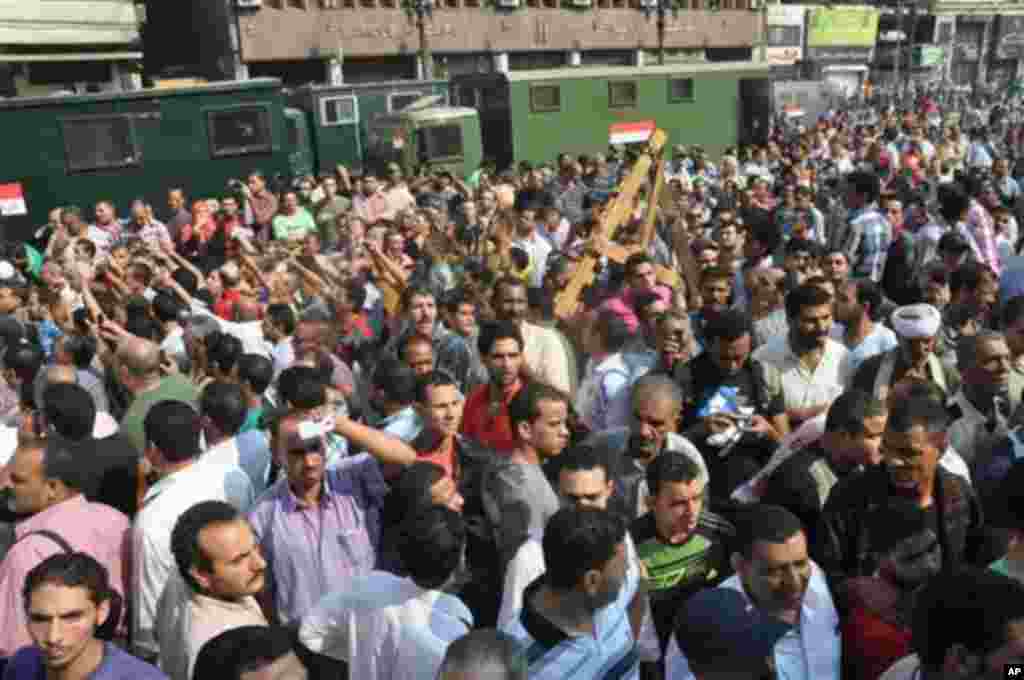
<point>171,147</point>
<point>582,123</point>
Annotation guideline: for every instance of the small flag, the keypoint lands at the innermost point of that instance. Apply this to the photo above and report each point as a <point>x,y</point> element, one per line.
<point>12,200</point>
<point>630,133</point>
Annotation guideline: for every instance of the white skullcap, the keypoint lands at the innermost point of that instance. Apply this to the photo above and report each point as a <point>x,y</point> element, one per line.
<point>6,270</point>
<point>916,321</point>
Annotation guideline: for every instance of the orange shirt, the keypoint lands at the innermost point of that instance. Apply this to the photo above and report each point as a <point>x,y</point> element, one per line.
<point>492,429</point>
<point>443,456</point>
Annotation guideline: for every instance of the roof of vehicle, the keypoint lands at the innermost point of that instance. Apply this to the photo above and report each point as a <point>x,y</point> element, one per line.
<point>147,93</point>
<point>599,72</point>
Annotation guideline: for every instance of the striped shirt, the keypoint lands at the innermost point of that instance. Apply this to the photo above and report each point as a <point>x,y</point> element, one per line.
<point>610,654</point>
<point>869,238</point>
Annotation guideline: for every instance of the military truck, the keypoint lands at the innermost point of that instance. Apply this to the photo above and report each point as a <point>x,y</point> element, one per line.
<point>73,149</point>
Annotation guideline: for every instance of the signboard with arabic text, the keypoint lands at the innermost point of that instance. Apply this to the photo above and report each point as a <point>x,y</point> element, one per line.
<point>842,27</point>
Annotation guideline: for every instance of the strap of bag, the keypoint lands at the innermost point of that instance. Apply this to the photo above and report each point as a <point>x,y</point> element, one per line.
<point>53,536</point>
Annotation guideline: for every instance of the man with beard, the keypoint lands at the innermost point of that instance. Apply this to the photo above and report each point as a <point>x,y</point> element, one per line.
<point>589,592</point>
<point>851,539</point>
<point>776,577</point>
<point>975,286</point>
<point>728,392</point>
<point>486,416</point>
<point>813,367</point>
<point>657,403</point>
<point>543,354</point>
<point>989,393</point>
<point>715,295</point>
<point>916,329</point>
<point>858,307</point>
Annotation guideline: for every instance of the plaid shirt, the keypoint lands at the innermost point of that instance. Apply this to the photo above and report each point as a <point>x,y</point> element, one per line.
<point>867,242</point>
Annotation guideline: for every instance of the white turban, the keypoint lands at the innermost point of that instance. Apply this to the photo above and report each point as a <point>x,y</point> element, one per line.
<point>916,321</point>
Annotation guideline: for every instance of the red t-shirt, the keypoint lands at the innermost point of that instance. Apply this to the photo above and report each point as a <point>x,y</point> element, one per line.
<point>493,430</point>
<point>224,306</point>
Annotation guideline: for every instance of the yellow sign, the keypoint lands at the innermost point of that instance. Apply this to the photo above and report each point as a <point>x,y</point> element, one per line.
<point>842,27</point>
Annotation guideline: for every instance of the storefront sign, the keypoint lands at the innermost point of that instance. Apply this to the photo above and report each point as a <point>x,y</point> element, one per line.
<point>854,54</point>
<point>842,26</point>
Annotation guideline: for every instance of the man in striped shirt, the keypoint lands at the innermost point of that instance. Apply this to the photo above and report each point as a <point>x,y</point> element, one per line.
<point>579,620</point>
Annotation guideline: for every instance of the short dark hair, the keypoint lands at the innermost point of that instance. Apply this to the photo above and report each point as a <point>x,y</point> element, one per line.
<point>61,463</point>
<point>1012,311</point>
<point>635,260</point>
<point>436,378</point>
<point>257,371</point>
<point>25,358</point>
<point>282,316</point>
<point>969,275</point>
<point>166,307</point>
<point>730,325</point>
<point>767,233</point>
<point>70,409</point>
<point>185,537</point>
<point>186,279</point>
<point>582,458</point>
<point>670,467</point>
<point>81,349</point>
<point>242,649</point>
<point>416,291</point>
<point>508,281</point>
<point>223,403</point>
<point>578,540</point>
<point>953,201</point>
<point>173,427</point>
<point>436,531</point>
<point>410,493</point>
<point>805,295</point>
<point>396,379</point>
<point>492,332</point>
<point>613,331</point>
<point>870,293</point>
<point>970,607</point>
<point>802,245</point>
<point>525,406</point>
<point>850,409</point>
<point>302,386</point>
<point>865,183</point>
<point>223,350</point>
<point>70,570</point>
<point>764,524</point>
<point>918,409</point>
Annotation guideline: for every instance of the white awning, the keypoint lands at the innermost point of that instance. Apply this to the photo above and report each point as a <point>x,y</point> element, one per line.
<point>845,67</point>
<point>8,58</point>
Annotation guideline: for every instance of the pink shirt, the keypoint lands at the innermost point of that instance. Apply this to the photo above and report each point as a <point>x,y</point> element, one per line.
<point>92,528</point>
<point>622,304</point>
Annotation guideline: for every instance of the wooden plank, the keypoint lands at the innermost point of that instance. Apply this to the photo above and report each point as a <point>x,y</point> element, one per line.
<point>618,212</point>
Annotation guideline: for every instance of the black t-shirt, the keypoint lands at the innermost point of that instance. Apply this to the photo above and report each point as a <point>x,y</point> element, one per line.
<point>705,386</point>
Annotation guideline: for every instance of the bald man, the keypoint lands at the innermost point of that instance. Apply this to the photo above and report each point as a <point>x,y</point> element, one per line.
<point>138,369</point>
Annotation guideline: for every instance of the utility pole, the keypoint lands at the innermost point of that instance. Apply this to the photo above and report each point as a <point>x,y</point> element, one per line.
<point>899,49</point>
<point>422,10</point>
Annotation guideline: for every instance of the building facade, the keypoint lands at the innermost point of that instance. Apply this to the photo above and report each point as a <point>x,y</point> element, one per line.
<point>68,45</point>
<point>373,40</point>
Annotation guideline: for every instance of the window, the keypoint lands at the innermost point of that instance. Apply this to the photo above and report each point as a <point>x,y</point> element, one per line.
<point>783,36</point>
<point>399,100</point>
<point>945,32</point>
<point>99,142</point>
<point>443,141</point>
<point>680,89</point>
<point>338,110</point>
<point>545,98</point>
<point>239,131</point>
<point>621,94</point>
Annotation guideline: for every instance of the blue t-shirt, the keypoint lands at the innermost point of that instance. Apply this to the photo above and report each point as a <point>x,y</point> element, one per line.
<point>27,664</point>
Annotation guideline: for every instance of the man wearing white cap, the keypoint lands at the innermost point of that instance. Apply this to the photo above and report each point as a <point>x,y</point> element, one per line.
<point>917,328</point>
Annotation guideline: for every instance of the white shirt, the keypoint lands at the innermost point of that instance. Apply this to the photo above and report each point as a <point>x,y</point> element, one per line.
<point>386,627</point>
<point>800,387</point>
<point>538,248</point>
<point>164,503</point>
<point>283,355</point>
<point>811,651</point>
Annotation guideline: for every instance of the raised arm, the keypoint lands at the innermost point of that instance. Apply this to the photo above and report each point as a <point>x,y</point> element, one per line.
<point>382,446</point>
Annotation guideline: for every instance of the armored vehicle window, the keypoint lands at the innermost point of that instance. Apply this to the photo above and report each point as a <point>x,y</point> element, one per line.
<point>545,98</point>
<point>680,89</point>
<point>240,131</point>
<point>621,94</point>
<point>338,110</point>
<point>443,141</point>
<point>99,142</point>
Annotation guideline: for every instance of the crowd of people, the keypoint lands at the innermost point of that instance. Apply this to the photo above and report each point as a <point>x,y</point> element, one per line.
<point>363,426</point>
